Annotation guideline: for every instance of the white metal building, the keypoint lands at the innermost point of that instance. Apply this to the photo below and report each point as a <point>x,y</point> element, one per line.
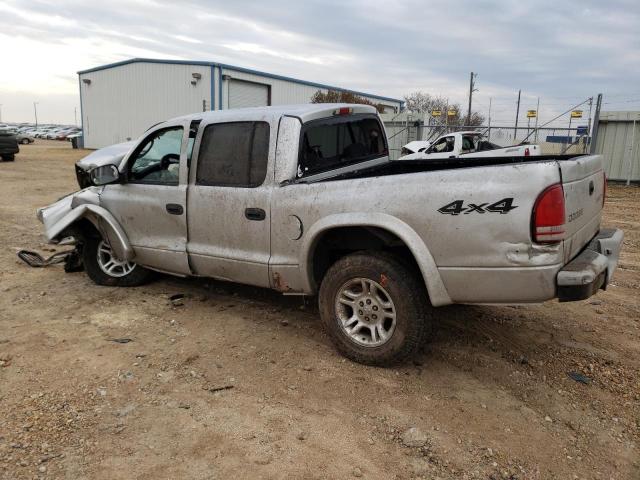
<point>618,140</point>
<point>121,100</point>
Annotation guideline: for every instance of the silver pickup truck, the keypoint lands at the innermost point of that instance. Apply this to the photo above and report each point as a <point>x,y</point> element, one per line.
<point>304,200</point>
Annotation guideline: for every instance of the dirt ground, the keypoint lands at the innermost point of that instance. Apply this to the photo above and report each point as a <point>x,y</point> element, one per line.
<point>241,382</point>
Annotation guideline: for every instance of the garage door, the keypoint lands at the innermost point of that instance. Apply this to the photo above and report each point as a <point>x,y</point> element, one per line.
<point>247,94</point>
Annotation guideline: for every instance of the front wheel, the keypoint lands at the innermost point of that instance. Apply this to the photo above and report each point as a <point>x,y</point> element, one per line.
<point>105,269</point>
<point>9,158</point>
<point>374,307</point>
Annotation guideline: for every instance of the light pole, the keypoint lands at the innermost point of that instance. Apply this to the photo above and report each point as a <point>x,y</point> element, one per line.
<point>35,112</point>
<point>0,112</point>
<point>75,116</point>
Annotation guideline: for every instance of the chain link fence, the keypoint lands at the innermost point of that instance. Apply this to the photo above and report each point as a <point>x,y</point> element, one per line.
<point>405,127</point>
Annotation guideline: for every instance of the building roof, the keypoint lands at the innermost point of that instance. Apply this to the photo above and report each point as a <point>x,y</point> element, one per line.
<point>237,69</point>
<point>619,116</point>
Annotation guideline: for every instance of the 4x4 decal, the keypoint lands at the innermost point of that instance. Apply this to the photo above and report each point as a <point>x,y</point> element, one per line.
<point>457,207</point>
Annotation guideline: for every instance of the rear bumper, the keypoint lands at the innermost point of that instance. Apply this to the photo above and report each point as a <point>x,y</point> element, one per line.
<point>592,269</point>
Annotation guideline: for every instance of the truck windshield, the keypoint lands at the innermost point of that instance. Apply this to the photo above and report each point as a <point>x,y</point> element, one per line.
<point>337,142</point>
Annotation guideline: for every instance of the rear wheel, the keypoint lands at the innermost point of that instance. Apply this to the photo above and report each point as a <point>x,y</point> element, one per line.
<point>8,158</point>
<point>25,141</point>
<point>105,269</point>
<point>374,307</point>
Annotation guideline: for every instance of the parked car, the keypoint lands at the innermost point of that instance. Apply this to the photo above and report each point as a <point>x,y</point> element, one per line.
<point>42,132</point>
<point>24,138</point>
<point>304,200</point>
<point>63,134</point>
<point>471,144</point>
<point>8,145</point>
<point>52,134</point>
<point>73,135</point>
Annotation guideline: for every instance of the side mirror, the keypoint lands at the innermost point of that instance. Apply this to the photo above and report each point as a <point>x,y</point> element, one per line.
<point>104,175</point>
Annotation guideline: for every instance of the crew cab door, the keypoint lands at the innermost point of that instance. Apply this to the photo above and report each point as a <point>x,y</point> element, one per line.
<point>228,199</point>
<point>150,204</point>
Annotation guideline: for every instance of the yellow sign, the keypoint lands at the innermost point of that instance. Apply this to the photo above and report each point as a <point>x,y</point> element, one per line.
<point>452,113</point>
<point>436,113</point>
<point>576,114</point>
<point>532,113</point>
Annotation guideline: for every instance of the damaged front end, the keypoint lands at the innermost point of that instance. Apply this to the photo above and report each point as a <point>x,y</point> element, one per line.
<point>65,222</point>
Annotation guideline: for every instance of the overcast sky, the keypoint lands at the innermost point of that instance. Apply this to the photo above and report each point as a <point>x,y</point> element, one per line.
<point>560,51</point>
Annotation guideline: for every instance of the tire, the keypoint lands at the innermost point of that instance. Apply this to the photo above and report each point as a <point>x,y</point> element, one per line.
<point>384,280</point>
<point>8,158</point>
<point>25,141</point>
<point>124,275</point>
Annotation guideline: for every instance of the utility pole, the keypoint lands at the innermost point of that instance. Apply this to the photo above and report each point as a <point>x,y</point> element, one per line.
<point>515,130</point>
<point>535,127</point>
<point>489,129</point>
<point>35,112</point>
<point>472,84</point>
<point>596,121</point>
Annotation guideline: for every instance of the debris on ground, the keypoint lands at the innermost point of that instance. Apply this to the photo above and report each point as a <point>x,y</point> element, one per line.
<point>413,437</point>
<point>34,259</point>
<point>177,300</point>
<point>578,377</point>
<point>218,389</point>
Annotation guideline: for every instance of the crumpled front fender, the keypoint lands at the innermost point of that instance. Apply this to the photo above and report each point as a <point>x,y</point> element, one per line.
<point>61,215</point>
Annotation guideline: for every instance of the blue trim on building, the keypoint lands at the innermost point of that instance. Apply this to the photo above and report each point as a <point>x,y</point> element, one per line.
<point>220,104</point>
<point>238,69</point>
<point>212,102</point>
<point>81,112</point>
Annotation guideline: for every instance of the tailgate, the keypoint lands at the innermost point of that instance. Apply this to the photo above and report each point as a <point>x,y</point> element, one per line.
<point>583,184</point>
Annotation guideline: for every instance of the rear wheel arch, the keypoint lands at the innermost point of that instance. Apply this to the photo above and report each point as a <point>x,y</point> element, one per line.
<point>368,232</point>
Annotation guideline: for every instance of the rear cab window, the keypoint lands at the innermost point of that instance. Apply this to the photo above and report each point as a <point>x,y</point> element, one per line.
<point>336,142</point>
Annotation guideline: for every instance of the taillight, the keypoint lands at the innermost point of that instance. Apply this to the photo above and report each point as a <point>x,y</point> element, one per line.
<point>343,111</point>
<point>547,221</point>
<point>604,188</point>
<point>526,152</point>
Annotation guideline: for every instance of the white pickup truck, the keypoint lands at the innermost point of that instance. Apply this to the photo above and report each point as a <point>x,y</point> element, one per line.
<point>471,144</point>
<point>304,200</point>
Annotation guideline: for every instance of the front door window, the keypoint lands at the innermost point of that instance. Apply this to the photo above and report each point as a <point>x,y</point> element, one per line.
<point>157,160</point>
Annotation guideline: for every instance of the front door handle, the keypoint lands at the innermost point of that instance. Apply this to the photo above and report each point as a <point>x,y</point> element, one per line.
<point>174,209</point>
<point>255,214</point>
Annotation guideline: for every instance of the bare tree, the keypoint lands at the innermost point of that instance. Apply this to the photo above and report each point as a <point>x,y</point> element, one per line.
<point>333,96</point>
<point>422,102</point>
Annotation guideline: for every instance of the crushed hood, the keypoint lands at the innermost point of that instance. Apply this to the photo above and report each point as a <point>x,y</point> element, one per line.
<point>111,155</point>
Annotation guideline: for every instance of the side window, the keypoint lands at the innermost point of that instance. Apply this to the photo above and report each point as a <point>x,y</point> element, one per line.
<point>451,141</point>
<point>157,160</point>
<point>233,154</point>
<point>467,143</point>
<point>337,142</point>
<point>441,145</point>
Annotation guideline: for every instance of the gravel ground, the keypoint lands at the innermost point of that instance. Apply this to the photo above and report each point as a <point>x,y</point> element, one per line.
<point>241,382</point>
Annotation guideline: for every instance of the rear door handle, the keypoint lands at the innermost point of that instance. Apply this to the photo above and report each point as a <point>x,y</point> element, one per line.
<point>174,209</point>
<point>255,214</point>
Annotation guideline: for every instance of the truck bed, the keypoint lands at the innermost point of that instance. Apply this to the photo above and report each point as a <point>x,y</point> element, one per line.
<point>414,166</point>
